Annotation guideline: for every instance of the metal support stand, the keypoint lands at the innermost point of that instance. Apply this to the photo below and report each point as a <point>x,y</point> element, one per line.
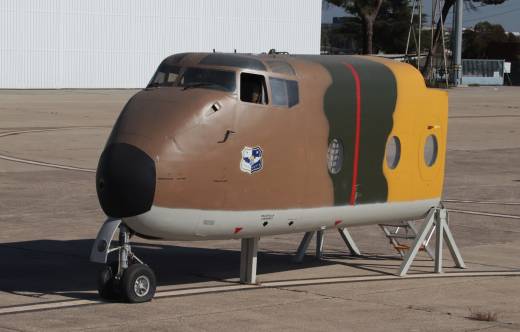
<point>302,248</point>
<point>439,232</point>
<point>426,243</point>
<point>438,218</point>
<point>248,260</point>
<point>320,238</point>
<point>349,241</point>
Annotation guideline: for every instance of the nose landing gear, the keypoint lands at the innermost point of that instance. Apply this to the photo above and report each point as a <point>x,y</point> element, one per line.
<point>128,278</point>
<point>138,283</point>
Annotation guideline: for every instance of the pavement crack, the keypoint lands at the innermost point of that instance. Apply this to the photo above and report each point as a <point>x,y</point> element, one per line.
<point>509,326</point>
<point>393,305</point>
<point>427,309</point>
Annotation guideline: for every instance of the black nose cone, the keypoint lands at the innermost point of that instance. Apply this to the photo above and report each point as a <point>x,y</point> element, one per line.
<point>125,180</point>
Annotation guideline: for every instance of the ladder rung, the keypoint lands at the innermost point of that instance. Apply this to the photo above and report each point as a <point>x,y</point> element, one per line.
<point>405,247</point>
<point>398,236</point>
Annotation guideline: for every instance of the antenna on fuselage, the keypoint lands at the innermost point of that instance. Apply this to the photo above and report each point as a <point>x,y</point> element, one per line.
<point>274,52</point>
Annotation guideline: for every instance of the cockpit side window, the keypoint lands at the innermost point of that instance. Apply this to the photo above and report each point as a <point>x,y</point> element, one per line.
<point>284,92</point>
<point>253,89</point>
<point>166,75</point>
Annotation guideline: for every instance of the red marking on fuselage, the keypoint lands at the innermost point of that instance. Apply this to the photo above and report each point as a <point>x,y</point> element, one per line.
<point>237,229</point>
<point>358,130</point>
<point>337,222</point>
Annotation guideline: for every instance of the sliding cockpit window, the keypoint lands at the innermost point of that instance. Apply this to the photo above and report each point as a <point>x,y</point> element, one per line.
<point>253,89</point>
<point>205,78</point>
<point>166,75</point>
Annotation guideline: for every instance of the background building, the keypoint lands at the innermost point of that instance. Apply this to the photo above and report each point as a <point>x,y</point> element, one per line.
<point>48,44</point>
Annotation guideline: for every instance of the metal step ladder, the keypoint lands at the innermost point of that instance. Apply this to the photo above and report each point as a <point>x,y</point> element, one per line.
<point>402,234</point>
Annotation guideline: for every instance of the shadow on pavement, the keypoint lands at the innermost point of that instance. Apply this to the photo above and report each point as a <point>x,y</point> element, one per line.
<point>36,268</point>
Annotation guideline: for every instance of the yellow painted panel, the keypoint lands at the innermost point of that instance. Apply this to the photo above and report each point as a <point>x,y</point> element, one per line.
<point>419,112</point>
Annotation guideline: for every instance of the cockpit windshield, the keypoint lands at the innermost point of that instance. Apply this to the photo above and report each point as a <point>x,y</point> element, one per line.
<point>224,80</point>
<point>166,75</point>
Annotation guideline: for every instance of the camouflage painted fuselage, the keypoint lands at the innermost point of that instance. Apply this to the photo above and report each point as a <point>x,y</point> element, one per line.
<point>172,165</point>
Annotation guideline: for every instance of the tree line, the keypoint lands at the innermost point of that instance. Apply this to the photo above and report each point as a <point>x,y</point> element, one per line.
<point>383,25</point>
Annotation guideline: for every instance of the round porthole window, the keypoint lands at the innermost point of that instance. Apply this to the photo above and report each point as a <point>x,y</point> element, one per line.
<point>431,148</point>
<point>393,152</point>
<point>335,156</point>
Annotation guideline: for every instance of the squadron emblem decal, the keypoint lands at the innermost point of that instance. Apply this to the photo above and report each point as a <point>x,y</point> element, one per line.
<point>251,159</point>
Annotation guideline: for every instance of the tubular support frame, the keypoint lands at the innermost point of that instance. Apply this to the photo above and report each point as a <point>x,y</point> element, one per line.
<point>349,241</point>
<point>320,239</point>
<point>438,218</point>
<point>302,248</point>
<point>248,260</point>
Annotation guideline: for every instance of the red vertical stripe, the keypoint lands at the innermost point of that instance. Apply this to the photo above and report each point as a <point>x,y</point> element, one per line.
<point>358,130</point>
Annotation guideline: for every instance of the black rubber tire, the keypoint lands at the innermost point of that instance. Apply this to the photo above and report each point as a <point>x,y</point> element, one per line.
<point>128,283</point>
<point>107,285</point>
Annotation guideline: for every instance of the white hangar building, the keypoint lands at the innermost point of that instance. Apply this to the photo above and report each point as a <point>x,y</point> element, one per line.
<point>52,44</point>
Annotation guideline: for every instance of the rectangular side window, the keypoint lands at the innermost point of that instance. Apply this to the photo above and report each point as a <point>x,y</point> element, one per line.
<point>278,92</point>
<point>284,92</point>
<point>253,89</point>
<point>292,92</point>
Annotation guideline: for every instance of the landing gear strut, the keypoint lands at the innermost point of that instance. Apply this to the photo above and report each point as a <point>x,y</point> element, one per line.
<point>128,278</point>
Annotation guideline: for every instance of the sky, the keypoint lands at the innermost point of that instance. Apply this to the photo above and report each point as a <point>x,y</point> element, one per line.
<point>506,14</point>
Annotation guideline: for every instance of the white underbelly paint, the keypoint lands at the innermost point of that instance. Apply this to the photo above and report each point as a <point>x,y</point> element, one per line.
<point>193,224</point>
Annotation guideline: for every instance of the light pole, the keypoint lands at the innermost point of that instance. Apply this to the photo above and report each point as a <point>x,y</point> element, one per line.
<point>457,50</point>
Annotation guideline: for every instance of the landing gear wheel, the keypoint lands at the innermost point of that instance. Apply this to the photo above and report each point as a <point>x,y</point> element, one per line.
<point>138,283</point>
<point>107,284</point>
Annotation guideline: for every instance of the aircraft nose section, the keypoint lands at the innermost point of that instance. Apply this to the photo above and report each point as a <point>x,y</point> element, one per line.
<point>125,180</point>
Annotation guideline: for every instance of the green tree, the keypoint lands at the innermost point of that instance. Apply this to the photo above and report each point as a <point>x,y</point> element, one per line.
<point>341,38</point>
<point>389,30</point>
<point>392,25</point>
<point>486,41</point>
<point>367,11</point>
<point>448,4</point>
